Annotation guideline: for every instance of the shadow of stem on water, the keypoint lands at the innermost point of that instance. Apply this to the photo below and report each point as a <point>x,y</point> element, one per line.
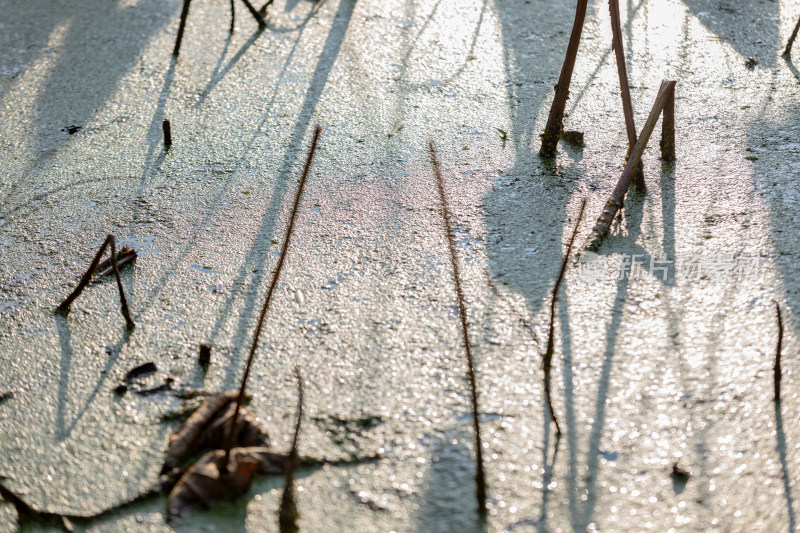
<point>63,427</point>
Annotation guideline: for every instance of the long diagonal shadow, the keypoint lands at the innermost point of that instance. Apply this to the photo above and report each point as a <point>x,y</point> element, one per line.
<point>201,226</point>
<point>64,429</point>
<point>787,481</point>
<point>218,75</point>
<point>258,254</point>
<point>582,514</point>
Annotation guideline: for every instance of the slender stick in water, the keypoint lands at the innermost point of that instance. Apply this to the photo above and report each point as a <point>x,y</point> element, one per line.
<point>167,133</point>
<point>624,89</point>
<point>233,429</point>
<point>666,94</point>
<point>181,27</point>
<point>462,312</point>
<point>87,278</point>
<point>287,516</point>
<point>547,360</point>
<point>788,51</point>
<point>555,120</point>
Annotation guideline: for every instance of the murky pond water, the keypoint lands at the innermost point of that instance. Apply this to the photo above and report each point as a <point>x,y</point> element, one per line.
<point>664,348</point>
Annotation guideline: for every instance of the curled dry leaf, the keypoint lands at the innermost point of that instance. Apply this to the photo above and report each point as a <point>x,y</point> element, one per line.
<point>207,427</point>
<point>208,480</point>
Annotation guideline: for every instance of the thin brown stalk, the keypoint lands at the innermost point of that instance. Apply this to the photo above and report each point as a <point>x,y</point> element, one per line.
<point>624,89</point>
<point>270,291</point>
<point>776,370</point>
<point>181,27</point>
<point>547,360</point>
<point>615,201</point>
<point>288,516</point>
<point>667,143</point>
<point>256,15</point>
<point>480,478</point>
<point>233,17</point>
<point>788,51</point>
<point>555,120</point>
<point>87,278</point>
<point>167,133</point>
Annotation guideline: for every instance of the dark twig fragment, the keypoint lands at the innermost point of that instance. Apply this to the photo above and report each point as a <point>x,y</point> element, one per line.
<point>272,285</point>
<point>555,120</point>
<point>776,370</point>
<point>204,357</point>
<point>574,138</point>
<point>87,278</point>
<point>256,15</point>
<point>788,51</point>
<point>547,360</point>
<point>181,28</point>
<point>462,312</point>
<point>167,133</point>
<point>615,201</point>
<point>287,516</point>
<point>263,9</point>
<point>124,257</point>
<point>233,17</point>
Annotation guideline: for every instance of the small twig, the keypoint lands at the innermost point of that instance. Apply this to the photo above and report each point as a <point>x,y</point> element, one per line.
<point>776,370</point>
<point>667,143</point>
<point>204,357</point>
<point>462,311</point>
<point>181,28</point>
<point>233,16</point>
<point>788,51</point>
<point>167,133</point>
<point>547,360</point>
<point>287,516</point>
<point>268,298</point>
<point>555,120</point>
<point>87,278</point>
<point>624,89</point>
<point>256,15</point>
<point>615,201</point>
<point>263,9</point>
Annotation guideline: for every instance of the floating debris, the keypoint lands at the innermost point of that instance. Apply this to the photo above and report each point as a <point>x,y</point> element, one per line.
<point>198,432</point>
<point>219,475</point>
<point>125,256</point>
<point>572,137</point>
<point>751,63</point>
<point>87,277</point>
<point>396,129</point>
<point>679,474</point>
<point>204,357</point>
<point>503,133</point>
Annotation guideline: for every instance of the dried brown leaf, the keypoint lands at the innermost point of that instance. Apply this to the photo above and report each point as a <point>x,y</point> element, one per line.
<point>206,429</point>
<point>208,480</point>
